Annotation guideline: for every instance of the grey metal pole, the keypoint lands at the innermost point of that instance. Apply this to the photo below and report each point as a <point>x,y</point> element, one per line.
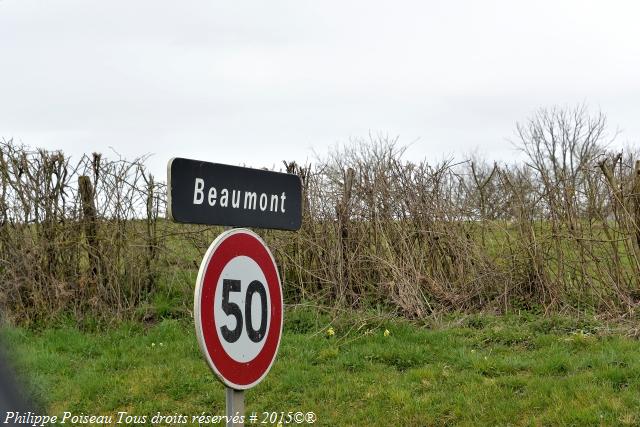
<point>235,398</point>
<point>235,407</point>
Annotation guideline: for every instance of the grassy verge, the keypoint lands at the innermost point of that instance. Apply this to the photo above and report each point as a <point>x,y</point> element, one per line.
<point>480,370</point>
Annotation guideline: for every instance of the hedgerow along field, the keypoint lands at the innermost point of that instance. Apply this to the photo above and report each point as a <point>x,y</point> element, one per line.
<point>85,241</point>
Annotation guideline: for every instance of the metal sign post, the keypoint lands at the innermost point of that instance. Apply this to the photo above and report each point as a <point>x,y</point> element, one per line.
<point>235,406</point>
<point>234,399</point>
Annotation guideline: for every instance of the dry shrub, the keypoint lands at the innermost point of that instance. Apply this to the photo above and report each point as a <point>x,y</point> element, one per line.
<point>380,230</point>
<point>559,232</point>
<point>70,236</point>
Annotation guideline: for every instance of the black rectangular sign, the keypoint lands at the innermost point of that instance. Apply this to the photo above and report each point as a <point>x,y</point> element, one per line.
<point>212,193</point>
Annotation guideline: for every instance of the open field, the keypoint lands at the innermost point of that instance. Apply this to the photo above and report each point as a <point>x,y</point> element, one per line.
<point>467,370</point>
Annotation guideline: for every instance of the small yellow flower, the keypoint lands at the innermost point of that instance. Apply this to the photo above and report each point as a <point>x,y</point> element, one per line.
<point>386,333</point>
<point>330,331</point>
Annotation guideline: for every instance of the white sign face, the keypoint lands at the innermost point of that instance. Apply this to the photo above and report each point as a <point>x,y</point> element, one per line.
<point>242,312</point>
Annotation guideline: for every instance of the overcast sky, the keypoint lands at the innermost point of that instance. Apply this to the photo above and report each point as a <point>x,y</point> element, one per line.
<point>258,82</point>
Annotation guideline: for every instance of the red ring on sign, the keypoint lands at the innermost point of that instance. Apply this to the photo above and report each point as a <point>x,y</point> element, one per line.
<point>233,373</point>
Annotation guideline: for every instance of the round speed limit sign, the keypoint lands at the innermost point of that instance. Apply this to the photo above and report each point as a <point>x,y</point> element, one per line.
<point>238,308</point>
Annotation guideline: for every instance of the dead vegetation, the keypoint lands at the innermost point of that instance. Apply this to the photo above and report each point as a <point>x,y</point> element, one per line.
<point>68,241</point>
<point>559,232</point>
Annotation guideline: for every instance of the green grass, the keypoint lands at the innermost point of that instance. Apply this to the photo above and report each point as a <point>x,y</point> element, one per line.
<point>479,370</point>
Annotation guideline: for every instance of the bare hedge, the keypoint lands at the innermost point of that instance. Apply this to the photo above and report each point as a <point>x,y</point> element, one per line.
<point>559,232</point>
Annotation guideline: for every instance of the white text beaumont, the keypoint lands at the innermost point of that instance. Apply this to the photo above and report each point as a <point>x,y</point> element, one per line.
<point>238,199</point>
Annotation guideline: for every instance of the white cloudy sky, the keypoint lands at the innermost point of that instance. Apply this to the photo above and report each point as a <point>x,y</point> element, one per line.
<point>256,82</point>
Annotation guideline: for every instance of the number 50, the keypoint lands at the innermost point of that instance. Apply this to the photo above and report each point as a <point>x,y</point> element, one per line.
<point>232,309</point>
